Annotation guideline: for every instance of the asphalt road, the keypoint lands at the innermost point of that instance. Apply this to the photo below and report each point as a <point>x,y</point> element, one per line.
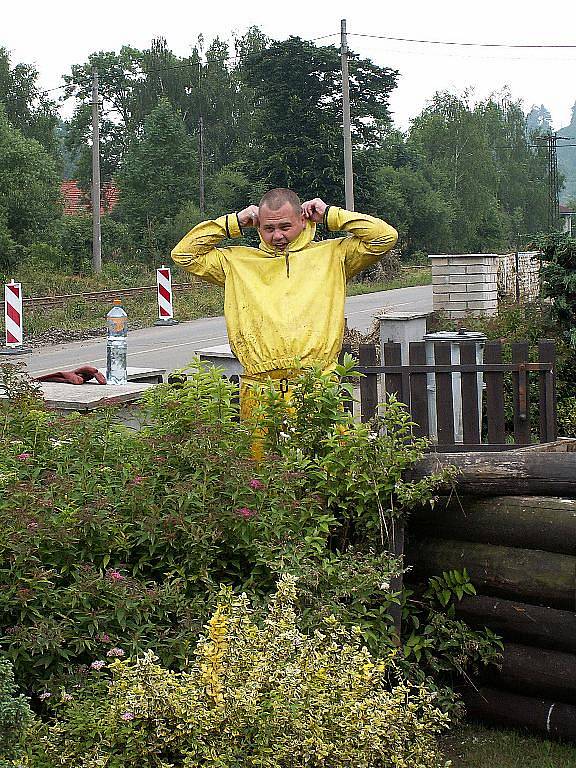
<point>172,347</point>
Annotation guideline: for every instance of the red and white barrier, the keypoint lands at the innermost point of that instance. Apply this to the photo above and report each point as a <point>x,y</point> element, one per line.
<point>165,303</point>
<point>14,328</point>
<point>13,314</point>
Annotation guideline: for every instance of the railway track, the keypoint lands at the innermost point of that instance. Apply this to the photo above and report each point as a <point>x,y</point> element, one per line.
<point>108,295</point>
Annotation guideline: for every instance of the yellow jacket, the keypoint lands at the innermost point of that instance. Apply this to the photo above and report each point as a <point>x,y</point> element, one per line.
<point>285,305</point>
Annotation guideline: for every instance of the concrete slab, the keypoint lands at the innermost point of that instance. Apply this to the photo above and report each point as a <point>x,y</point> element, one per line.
<point>222,355</point>
<point>88,397</point>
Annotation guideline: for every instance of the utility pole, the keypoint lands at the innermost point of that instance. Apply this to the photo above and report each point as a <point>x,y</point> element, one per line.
<point>201,195</point>
<point>96,232</point>
<point>553,202</point>
<point>348,177</point>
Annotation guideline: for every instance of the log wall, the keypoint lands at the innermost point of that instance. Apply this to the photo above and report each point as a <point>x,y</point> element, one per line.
<point>511,521</point>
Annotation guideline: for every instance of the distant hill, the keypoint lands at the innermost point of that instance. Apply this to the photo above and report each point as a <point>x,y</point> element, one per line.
<point>567,160</point>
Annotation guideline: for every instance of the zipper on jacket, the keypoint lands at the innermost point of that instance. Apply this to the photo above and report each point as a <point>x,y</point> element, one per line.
<point>286,259</point>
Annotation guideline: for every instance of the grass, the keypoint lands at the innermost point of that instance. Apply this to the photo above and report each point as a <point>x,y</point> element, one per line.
<point>407,279</point>
<point>479,746</point>
<point>203,300</point>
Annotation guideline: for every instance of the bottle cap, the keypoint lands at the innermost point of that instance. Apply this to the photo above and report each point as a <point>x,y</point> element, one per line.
<point>117,302</point>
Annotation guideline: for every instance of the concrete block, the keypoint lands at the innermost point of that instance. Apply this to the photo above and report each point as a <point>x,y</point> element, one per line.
<point>438,260</point>
<point>440,279</point>
<point>482,269</point>
<point>473,258</point>
<point>448,270</point>
<point>455,305</point>
<point>485,305</point>
<point>450,288</point>
<point>484,277</point>
<point>481,296</point>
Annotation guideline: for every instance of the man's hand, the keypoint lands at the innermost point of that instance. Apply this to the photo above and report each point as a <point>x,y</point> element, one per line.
<point>249,216</point>
<point>314,209</point>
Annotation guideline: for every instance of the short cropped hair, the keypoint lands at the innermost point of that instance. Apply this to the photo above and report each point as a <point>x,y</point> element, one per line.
<point>275,199</point>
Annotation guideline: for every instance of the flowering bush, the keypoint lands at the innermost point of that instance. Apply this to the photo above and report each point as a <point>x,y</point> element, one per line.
<point>116,541</point>
<point>266,696</point>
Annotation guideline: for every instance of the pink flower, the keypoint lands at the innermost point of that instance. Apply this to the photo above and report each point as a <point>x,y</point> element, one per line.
<point>127,715</point>
<point>44,696</point>
<point>32,526</point>
<point>257,485</point>
<point>115,575</point>
<point>24,456</point>
<point>104,638</point>
<point>244,512</point>
<point>137,480</point>
<point>97,665</point>
<point>115,652</point>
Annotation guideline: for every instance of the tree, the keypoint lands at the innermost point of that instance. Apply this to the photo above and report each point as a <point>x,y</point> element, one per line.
<point>297,135</point>
<point>159,175</point>
<point>30,200</point>
<point>27,108</point>
<point>480,159</point>
<point>133,82</point>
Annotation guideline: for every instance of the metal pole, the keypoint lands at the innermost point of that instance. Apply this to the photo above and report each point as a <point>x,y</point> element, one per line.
<point>201,195</point>
<point>348,177</point>
<point>96,232</point>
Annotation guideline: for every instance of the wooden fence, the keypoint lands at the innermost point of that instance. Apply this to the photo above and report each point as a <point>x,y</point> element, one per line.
<point>487,405</point>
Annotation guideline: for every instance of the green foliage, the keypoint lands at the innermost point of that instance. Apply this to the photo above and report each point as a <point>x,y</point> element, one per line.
<point>479,160</point>
<point>26,107</point>
<point>29,191</point>
<point>114,539</point>
<point>296,137</point>
<point>75,241</point>
<point>265,695</point>
<point>15,716</point>
<point>158,175</point>
<point>559,277</point>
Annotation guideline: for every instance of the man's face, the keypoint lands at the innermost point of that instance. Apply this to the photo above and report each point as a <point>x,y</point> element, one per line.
<point>280,227</point>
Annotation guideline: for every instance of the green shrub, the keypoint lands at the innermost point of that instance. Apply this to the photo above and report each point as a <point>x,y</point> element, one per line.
<point>116,541</point>
<point>559,280</point>
<point>263,695</point>
<point>15,716</point>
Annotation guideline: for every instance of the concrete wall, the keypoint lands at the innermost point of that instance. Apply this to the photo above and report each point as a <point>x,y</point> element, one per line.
<point>519,276</point>
<point>464,284</point>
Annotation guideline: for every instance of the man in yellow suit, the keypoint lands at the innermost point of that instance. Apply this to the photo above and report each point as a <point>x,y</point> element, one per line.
<point>284,301</point>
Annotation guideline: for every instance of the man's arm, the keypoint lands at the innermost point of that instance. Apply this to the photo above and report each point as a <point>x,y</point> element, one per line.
<point>198,251</point>
<point>370,237</point>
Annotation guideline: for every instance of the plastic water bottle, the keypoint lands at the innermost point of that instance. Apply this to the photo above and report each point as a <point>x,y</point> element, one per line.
<point>116,345</point>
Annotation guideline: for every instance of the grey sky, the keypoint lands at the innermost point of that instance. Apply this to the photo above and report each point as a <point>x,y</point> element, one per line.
<point>55,35</point>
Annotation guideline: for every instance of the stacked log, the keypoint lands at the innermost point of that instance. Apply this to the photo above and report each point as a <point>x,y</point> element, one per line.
<point>520,553</point>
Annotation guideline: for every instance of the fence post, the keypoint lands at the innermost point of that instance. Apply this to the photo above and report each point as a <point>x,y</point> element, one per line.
<point>521,387</point>
<point>495,394</point>
<point>547,386</point>
<point>368,383</point>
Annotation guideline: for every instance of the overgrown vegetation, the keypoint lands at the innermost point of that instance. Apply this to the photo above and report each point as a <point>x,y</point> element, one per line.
<point>116,542</point>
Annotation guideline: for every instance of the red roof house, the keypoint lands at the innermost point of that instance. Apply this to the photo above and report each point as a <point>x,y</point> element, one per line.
<point>77,202</point>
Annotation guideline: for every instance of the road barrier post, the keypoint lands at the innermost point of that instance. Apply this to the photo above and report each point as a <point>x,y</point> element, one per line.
<point>165,304</point>
<point>13,321</point>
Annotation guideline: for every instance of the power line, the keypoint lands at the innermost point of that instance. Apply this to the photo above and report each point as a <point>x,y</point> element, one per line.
<point>452,42</point>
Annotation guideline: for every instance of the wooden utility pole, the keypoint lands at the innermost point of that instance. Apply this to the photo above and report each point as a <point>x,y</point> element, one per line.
<point>201,192</point>
<point>96,232</point>
<point>348,177</point>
